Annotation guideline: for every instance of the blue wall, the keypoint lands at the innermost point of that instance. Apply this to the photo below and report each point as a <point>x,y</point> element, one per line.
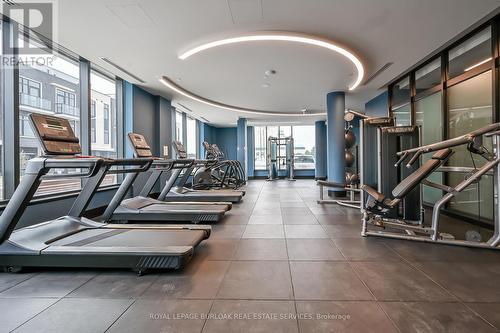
<point>378,106</point>
<point>225,138</point>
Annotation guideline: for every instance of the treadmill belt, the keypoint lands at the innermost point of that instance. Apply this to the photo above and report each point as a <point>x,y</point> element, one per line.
<point>202,209</point>
<point>98,237</point>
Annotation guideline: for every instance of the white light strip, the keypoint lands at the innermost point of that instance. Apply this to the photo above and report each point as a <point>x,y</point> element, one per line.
<point>287,38</point>
<point>168,83</point>
<point>478,64</point>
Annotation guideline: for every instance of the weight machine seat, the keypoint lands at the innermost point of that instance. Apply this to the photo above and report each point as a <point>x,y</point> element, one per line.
<point>380,202</point>
<point>330,184</point>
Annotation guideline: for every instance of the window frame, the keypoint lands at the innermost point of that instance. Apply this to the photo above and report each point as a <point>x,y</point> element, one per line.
<point>11,150</point>
<point>493,65</point>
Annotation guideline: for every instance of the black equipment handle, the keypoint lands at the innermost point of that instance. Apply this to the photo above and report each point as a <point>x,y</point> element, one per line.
<point>92,165</point>
<point>182,163</point>
<point>139,164</point>
<point>488,130</point>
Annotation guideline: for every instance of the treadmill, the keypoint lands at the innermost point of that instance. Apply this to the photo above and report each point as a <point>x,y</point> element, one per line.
<point>145,209</point>
<point>75,241</point>
<point>181,193</point>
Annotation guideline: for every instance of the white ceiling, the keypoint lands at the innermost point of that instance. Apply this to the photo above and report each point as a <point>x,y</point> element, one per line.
<point>146,36</point>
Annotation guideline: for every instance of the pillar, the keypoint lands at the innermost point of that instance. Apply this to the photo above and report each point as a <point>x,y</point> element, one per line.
<point>241,143</point>
<point>320,158</point>
<point>335,104</point>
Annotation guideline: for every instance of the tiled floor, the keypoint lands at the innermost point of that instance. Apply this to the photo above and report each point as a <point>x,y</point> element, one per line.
<point>278,262</point>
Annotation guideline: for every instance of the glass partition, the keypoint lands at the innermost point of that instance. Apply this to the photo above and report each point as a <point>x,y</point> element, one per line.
<point>470,107</point>
<point>428,116</point>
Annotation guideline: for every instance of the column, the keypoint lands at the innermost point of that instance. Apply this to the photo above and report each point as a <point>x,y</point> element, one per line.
<point>241,143</point>
<point>320,158</point>
<point>335,103</point>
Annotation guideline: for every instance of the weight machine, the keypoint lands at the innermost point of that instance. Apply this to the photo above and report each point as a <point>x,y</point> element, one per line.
<point>280,153</point>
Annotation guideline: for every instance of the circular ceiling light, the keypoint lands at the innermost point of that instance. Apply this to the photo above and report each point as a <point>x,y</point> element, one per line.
<point>284,37</point>
<point>178,89</point>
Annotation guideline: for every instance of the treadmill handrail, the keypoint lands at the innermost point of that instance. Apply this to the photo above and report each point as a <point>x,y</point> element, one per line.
<point>141,164</point>
<point>182,163</point>
<point>91,164</point>
<point>35,170</point>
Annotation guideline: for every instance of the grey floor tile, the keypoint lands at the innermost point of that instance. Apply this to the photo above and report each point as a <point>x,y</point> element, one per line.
<point>217,249</point>
<point>8,280</point>
<point>163,316</point>
<point>489,311</point>
<point>327,280</point>
<point>252,316</point>
<point>304,231</point>
<point>199,281</point>
<point>312,249</point>
<point>234,219</point>
<point>418,251</point>
<point>434,317</point>
<point>266,211</point>
<point>261,249</point>
<point>257,280</point>
<point>365,249</point>
<point>114,285</point>
<point>265,219</point>
<point>343,316</point>
<point>337,219</point>
<point>227,231</point>
<point>77,315</point>
<point>343,230</point>
<point>299,219</point>
<point>294,203</point>
<point>471,282</point>
<point>293,211</point>
<point>17,311</point>
<point>49,284</point>
<point>264,231</point>
<point>398,281</point>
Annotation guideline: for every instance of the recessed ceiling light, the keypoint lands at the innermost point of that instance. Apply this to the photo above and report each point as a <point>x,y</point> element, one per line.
<point>286,37</point>
<point>171,85</point>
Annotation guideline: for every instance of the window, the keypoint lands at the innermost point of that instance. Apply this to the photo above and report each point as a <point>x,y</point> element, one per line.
<point>178,127</point>
<point>260,138</point>
<point>471,54</point>
<point>191,137</point>
<point>401,109</point>
<point>103,118</point>
<point>106,123</point>
<point>428,115</point>
<point>470,107</point>
<point>304,142</point>
<point>92,121</point>
<point>66,103</point>
<point>304,147</point>
<point>51,87</point>
<point>428,76</point>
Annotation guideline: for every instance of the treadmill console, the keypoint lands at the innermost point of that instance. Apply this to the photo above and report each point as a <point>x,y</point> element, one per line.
<point>140,145</point>
<point>181,151</point>
<point>55,135</point>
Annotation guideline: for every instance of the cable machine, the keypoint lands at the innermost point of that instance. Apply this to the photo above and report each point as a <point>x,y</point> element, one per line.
<point>280,156</point>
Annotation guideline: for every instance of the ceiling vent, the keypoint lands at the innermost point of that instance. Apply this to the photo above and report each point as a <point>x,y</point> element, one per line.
<point>10,3</point>
<point>377,73</point>
<point>245,11</point>
<point>185,107</point>
<point>121,69</point>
